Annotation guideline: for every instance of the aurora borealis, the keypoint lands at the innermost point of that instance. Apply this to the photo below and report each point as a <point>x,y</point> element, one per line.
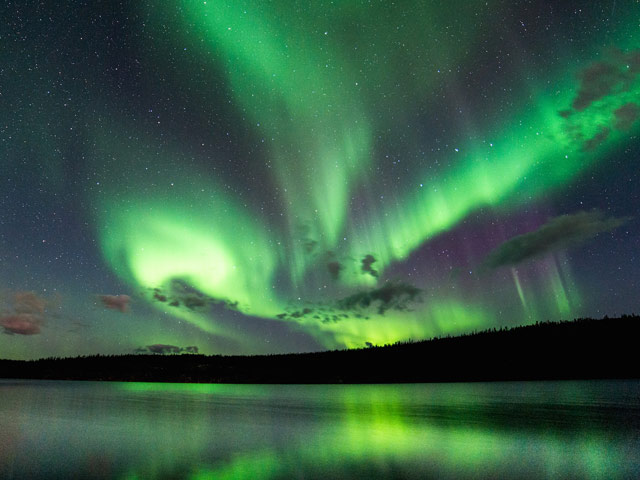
<point>261,177</point>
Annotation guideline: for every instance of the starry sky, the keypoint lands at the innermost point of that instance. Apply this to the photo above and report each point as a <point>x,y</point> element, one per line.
<point>240,177</point>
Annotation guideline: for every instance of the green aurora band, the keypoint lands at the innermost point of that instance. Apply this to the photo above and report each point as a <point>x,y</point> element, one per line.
<point>302,91</point>
<point>154,240</point>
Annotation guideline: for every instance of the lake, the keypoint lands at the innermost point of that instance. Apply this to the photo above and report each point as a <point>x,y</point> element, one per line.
<point>59,429</point>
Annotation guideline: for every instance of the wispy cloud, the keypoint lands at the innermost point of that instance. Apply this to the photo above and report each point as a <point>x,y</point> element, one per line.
<point>558,233</point>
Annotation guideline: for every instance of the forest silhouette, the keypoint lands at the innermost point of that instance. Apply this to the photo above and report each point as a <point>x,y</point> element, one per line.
<point>581,349</point>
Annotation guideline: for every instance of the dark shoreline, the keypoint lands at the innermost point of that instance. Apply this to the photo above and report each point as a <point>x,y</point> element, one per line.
<point>580,349</point>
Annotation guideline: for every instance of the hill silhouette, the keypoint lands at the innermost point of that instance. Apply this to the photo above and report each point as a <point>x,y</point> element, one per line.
<point>581,349</point>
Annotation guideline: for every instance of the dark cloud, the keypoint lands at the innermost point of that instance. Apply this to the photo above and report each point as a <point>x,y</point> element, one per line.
<point>615,74</point>
<point>597,140</point>
<point>334,268</point>
<point>304,235</point>
<point>26,315</point>
<point>116,302</point>
<point>301,313</point>
<point>560,232</point>
<point>158,296</point>
<point>309,245</point>
<point>180,293</point>
<point>229,305</point>
<point>626,116</point>
<point>597,81</point>
<point>179,286</point>
<point>298,313</point>
<point>193,303</point>
<point>162,349</point>
<point>323,312</point>
<point>391,296</point>
<point>331,318</point>
<point>367,263</point>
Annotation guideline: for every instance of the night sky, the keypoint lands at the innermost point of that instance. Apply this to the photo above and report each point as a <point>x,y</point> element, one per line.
<point>274,176</point>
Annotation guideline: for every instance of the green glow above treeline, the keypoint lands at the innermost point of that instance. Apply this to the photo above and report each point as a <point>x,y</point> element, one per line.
<point>306,82</point>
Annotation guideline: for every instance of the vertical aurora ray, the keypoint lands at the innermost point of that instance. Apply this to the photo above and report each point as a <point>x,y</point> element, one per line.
<point>560,295</point>
<point>319,134</point>
<point>549,288</point>
<point>564,297</point>
<point>516,281</point>
<point>297,71</point>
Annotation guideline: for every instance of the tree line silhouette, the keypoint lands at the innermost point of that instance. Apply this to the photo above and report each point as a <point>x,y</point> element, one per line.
<point>585,348</point>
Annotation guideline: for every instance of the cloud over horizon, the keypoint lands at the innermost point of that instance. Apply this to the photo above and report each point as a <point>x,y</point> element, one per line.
<point>391,296</point>
<point>116,302</point>
<point>26,315</point>
<point>558,233</point>
<point>163,349</point>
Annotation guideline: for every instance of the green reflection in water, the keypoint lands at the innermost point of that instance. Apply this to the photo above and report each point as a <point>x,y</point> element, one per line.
<point>152,430</point>
<point>411,431</point>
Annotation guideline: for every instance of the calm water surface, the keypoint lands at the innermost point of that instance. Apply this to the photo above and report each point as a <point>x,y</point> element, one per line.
<point>563,430</point>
